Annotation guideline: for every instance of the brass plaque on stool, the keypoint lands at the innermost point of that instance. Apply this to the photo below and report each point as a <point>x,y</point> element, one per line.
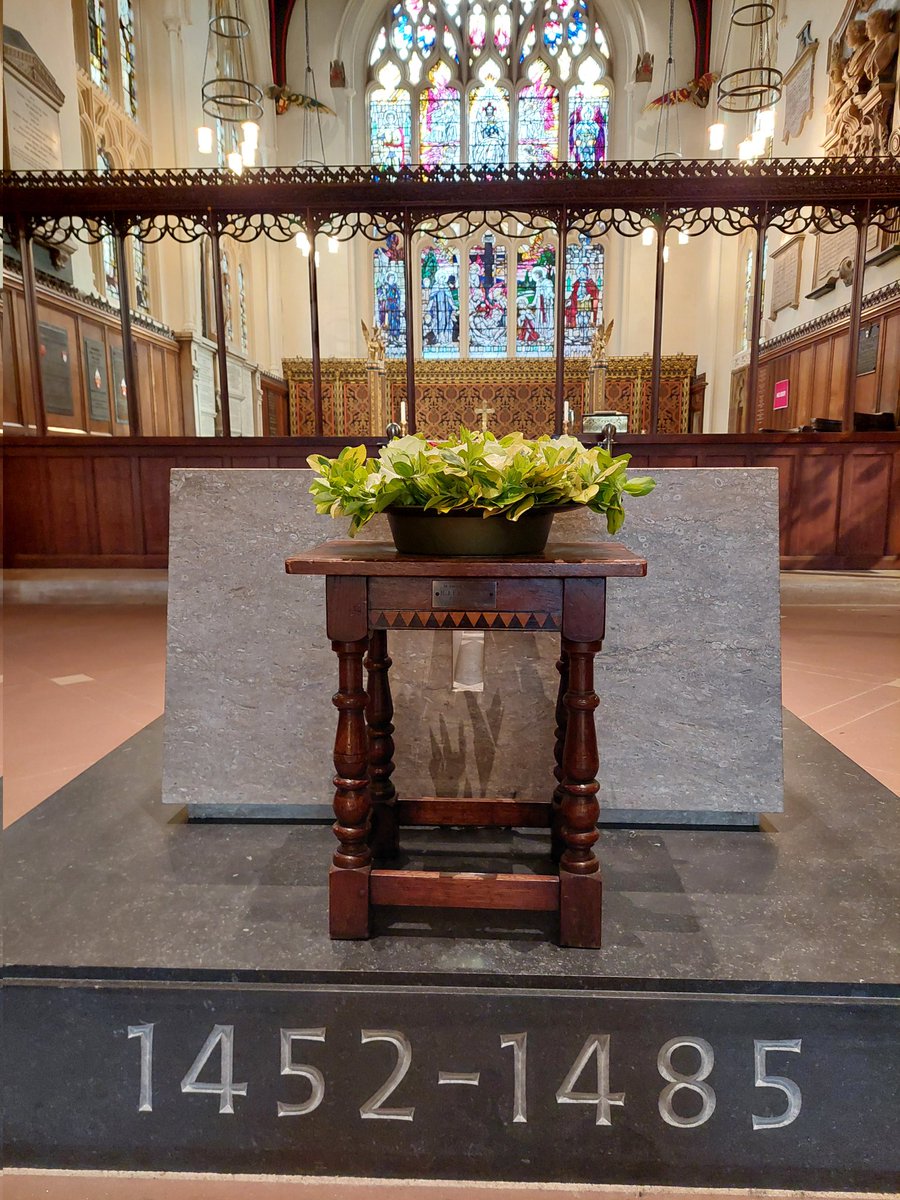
<point>464,593</point>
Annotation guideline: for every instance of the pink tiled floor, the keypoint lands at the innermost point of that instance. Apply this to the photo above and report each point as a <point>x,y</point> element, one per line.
<point>841,674</point>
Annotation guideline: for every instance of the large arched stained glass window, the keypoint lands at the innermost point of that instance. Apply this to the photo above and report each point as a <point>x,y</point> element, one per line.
<point>98,46</point>
<point>535,297</point>
<point>489,82</point>
<point>487,299</point>
<point>440,301</point>
<point>390,295</point>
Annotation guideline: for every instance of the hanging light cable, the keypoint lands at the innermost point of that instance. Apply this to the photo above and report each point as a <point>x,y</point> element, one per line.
<point>667,110</point>
<point>309,87</point>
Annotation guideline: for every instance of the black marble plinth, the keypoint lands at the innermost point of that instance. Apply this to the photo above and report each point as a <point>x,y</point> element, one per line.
<point>743,1007</point>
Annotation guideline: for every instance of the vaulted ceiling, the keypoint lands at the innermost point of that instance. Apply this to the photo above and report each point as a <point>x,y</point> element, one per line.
<point>281,11</point>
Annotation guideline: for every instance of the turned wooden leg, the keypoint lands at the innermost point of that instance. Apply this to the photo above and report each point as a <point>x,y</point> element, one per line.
<point>580,887</point>
<point>383,838</point>
<point>348,880</point>
<point>556,842</point>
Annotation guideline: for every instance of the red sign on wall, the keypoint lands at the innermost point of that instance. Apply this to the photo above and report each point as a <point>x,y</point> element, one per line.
<point>782,393</point>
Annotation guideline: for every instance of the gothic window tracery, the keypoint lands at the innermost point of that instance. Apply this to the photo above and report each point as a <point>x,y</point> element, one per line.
<point>488,82</point>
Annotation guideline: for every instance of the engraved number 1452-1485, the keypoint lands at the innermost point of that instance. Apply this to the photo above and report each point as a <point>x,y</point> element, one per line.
<point>591,1061</point>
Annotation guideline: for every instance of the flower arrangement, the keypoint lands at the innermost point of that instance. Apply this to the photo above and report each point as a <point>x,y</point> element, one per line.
<point>507,476</point>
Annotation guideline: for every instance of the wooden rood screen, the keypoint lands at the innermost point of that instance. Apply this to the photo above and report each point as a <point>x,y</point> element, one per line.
<point>791,195</point>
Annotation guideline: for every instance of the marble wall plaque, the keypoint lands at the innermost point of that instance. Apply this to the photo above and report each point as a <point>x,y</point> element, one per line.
<point>785,265</point>
<point>97,379</point>
<point>56,370</point>
<point>689,678</point>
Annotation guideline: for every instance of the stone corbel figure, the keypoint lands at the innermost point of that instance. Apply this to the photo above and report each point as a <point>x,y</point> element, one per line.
<point>861,46</point>
<point>374,342</point>
<point>883,43</point>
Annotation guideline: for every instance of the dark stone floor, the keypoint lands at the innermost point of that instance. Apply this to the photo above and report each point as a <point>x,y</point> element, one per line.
<point>102,878</point>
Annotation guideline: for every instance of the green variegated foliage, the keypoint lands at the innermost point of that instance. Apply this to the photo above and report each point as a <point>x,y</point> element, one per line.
<point>507,476</point>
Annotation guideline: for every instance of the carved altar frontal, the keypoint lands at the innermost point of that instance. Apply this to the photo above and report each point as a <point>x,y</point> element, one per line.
<point>359,397</point>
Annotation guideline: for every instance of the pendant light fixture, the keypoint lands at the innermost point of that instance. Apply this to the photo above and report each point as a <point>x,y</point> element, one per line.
<point>669,110</point>
<point>228,95</point>
<point>754,88</point>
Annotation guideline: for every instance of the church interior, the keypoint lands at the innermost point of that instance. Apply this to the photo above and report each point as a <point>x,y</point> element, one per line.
<point>239,235</point>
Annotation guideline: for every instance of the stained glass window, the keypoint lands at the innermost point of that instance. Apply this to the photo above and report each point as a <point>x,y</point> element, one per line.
<point>488,120</point>
<point>538,115</point>
<point>439,113</point>
<point>427,55</point>
<point>226,298</point>
<point>584,294</point>
<point>390,121</point>
<point>109,251</point>
<point>98,47</point>
<point>390,295</point>
<point>440,301</point>
<point>127,57</point>
<point>487,299</point>
<point>242,306</point>
<point>535,297</point>
<point>141,276</point>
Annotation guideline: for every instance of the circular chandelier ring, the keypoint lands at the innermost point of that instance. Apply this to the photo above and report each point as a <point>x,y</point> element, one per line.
<point>750,89</point>
<point>758,13</point>
<point>229,27</point>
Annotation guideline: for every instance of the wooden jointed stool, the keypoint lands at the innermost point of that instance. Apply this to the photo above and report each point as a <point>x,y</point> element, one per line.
<point>370,588</point>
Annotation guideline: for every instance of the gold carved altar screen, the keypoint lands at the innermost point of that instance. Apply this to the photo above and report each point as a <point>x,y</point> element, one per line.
<point>360,397</point>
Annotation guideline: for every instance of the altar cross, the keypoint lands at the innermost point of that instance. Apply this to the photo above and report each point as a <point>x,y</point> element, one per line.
<point>484,412</point>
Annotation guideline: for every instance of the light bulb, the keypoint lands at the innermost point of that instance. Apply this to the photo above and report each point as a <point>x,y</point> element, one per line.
<point>665,254</point>
<point>251,134</point>
<point>765,122</point>
<point>647,235</point>
<point>717,135</point>
<point>747,150</point>
<point>316,259</point>
<point>302,242</point>
<point>683,237</point>
<point>235,162</point>
<point>248,154</point>
<point>204,139</point>
<point>333,245</point>
<point>759,140</point>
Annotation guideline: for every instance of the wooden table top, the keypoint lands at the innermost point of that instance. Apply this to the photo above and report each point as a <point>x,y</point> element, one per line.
<point>559,560</point>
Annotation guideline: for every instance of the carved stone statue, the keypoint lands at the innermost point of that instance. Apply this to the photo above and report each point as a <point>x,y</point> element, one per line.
<point>855,66</point>
<point>883,45</point>
<point>838,91</point>
<point>374,342</point>
<point>600,342</point>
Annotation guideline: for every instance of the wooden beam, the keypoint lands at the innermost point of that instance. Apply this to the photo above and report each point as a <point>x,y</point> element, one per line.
<point>410,328</point>
<point>318,415</point>
<point>221,342</point>
<point>658,293</point>
<point>441,889</point>
<point>32,330</point>
<point>131,379</point>
<point>483,811</point>
<point>753,412</point>
<point>559,408</point>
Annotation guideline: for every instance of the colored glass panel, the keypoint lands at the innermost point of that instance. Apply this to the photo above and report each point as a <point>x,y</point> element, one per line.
<point>488,125</point>
<point>577,32</point>
<point>414,7</point>
<point>108,246</point>
<point>588,117</point>
<point>440,302</point>
<point>439,116</point>
<point>402,35</point>
<point>141,276</point>
<point>600,40</point>
<point>98,49</point>
<point>502,30</point>
<point>127,57</point>
<point>528,43</point>
<point>535,297</point>
<point>553,33</point>
<point>242,306</point>
<point>390,295</point>
<point>450,44</point>
<point>426,35</point>
<point>378,47</point>
<point>390,126</point>
<point>477,29</point>
<point>487,300</point>
<point>538,113</point>
<point>584,295</point>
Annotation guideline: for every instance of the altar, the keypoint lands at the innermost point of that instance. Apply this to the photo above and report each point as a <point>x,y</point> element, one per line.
<point>360,396</point>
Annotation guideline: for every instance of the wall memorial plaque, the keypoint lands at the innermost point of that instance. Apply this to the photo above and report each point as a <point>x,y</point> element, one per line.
<point>834,249</point>
<point>867,352</point>
<point>798,90</point>
<point>119,386</point>
<point>97,379</point>
<point>31,110</point>
<point>56,370</point>
<point>785,265</point>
